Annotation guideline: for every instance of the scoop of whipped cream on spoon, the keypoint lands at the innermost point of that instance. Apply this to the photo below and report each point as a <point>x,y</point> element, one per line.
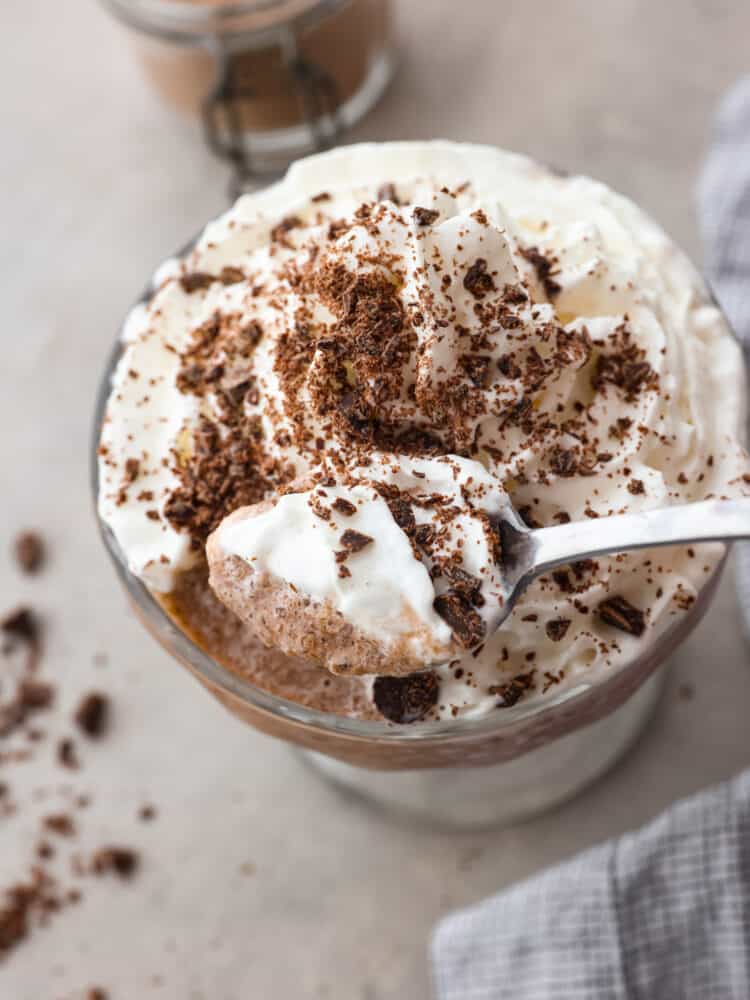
<point>410,565</point>
<point>387,570</point>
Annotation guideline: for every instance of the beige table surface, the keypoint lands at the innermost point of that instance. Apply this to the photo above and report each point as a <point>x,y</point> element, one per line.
<point>99,183</point>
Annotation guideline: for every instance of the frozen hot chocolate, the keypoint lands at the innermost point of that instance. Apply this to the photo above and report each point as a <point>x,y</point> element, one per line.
<point>361,346</point>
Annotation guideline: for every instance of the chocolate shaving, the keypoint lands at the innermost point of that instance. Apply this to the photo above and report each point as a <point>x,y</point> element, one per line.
<point>513,690</point>
<point>403,514</point>
<point>122,861</point>
<point>622,615</point>
<point>387,192</point>
<point>29,551</point>
<point>21,624</point>
<point>425,216</point>
<point>61,824</point>
<point>563,461</point>
<point>477,280</point>
<point>545,268</point>
<point>355,541</point>
<point>66,754</point>
<point>626,368</point>
<point>406,699</point>
<point>92,714</point>
<point>557,628</point>
<point>24,901</point>
<point>466,624</point>
<point>196,281</point>
<point>280,231</point>
<point>231,275</point>
<point>344,507</point>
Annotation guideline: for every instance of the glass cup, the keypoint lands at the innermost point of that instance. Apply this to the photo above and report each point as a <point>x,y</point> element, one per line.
<point>270,79</point>
<point>462,773</point>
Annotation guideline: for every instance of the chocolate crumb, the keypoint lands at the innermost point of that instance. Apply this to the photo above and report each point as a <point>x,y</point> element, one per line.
<point>279,231</point>
<point>622,615</point>
<point>557,628</point>
<point>92,714</point>
<point>96,993</point>
<point>425,216</point>
<point>66,754</point>
<point>344,507</point>
<point>466,624</point>
<point>60,823</point>
<point>478,281</point>
<point>636,487</point>
<point>23,901</point>
<point>21,624</point>
<point>406,699</point>
<point>231,275</point>
<point>196,281</point>
<point>513,690</point>
<point>545,268</point>
<point>403,514</point>
<point>122,861</point>
<point>29,551</point>
<point>387,192</point>
<point>355,541</point>
<point>147,813</point>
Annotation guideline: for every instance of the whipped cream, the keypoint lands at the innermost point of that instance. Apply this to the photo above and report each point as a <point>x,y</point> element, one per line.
<point>386,559</point>
<point>541,327</point>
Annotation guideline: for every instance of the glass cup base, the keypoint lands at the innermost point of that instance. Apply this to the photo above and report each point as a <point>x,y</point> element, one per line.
<point>472,798</point>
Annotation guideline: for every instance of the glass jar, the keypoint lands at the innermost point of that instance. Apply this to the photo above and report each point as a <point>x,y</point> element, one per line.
<point>462,773</point>
<point>270,79</point>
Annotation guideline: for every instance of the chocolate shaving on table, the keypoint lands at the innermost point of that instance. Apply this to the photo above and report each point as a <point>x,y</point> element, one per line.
<point>29,697</point>
<point>621,614</point>
<point>29,551</point>
<point>406,699</point>
<point>92,714</point>
<point>67,755</point>
<point>60,823</point>
<point>24,902</point>
<point>21,624</point>
<point>121,861</point>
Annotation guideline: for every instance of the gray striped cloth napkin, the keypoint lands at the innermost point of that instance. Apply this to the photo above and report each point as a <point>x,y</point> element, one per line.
<point>660,914</point>
<point>724,216</point>
<point>663,913</point>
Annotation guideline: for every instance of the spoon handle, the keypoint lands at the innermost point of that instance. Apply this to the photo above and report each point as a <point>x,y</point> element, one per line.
<point>706,521</point>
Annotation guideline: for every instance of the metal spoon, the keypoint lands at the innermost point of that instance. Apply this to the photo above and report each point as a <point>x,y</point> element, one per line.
<point>528,553</point>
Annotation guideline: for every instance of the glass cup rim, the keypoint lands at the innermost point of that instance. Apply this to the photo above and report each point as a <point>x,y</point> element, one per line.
<point>217,675</point>
<point>190,23</point>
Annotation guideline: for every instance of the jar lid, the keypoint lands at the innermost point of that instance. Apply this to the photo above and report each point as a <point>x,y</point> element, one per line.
<point>191,21</point>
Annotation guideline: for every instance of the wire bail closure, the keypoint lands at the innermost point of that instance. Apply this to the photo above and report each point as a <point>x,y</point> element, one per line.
<point>316,91</point>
